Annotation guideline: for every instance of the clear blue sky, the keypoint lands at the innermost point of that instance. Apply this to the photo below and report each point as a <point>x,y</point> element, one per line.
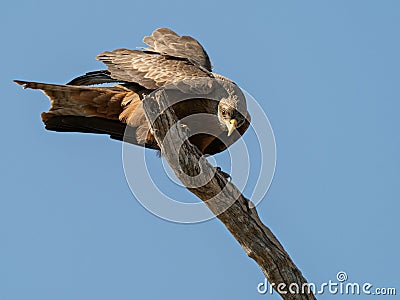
<point>325,72</point>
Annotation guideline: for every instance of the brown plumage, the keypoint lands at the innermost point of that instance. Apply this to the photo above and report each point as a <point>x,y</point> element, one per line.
<point>169,61</point>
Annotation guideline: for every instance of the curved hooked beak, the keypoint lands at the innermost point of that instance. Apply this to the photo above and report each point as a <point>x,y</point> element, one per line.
<point>231,126</point>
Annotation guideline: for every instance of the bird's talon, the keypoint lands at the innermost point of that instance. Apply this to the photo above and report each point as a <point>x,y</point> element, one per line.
<point>184,127</point>
<point>226,175</point>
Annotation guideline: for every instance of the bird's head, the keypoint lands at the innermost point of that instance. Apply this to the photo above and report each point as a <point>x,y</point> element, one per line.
<point>230,113</point>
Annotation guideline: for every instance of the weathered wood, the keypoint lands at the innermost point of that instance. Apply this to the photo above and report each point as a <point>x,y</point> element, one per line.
<point>222,197</point>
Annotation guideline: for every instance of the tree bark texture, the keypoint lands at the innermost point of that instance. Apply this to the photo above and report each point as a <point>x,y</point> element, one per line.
<point>223,198</point>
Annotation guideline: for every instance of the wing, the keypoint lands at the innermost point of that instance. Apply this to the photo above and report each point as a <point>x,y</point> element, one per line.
<point>168,58</point>
<point>167,42</point>
<point>93,78</point>
<point>147,69</point>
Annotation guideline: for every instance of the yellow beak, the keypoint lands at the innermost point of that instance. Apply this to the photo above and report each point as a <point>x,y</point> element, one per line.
<point>231,126</point>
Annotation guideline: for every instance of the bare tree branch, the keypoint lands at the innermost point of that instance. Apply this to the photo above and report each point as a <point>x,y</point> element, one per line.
<point>223,198</point>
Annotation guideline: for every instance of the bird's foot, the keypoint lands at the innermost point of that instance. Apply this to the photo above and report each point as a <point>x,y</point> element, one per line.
<point>184,127</point>
<point>224,174</point>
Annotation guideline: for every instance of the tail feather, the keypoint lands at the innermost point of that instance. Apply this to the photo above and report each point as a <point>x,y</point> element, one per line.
<point>80,101</point>
<point>101,110</point>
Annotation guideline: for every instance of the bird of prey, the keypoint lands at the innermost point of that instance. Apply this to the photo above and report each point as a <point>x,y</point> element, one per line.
<point>86,105</point>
